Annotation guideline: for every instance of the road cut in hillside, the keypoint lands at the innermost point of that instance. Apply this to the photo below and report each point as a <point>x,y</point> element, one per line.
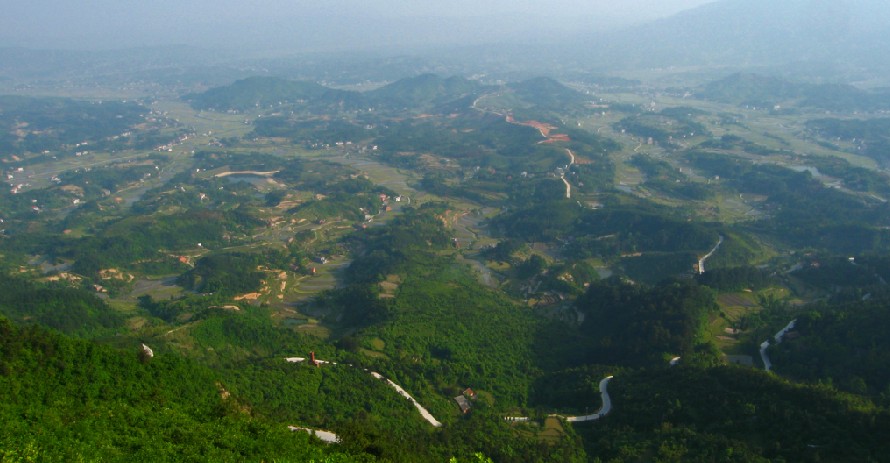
<point>423,411</point>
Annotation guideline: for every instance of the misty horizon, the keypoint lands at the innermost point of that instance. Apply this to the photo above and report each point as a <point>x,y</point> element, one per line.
<point>345,25</point>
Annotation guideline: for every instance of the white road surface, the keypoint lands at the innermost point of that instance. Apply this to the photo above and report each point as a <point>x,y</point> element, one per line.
<point>701,262</point>
<point>325,436</point>
<point>603,411</point>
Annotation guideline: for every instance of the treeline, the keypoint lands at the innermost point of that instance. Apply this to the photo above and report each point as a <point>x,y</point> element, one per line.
<point>853,177</point>
<point>471,139</point>
<point>436,332</point>
<point>350,199</point>
<point>264,92</point>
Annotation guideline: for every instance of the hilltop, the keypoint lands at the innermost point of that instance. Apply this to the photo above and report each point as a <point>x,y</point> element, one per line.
<point>424,92</point>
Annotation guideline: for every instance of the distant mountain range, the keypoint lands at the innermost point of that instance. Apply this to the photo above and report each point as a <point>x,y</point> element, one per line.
<point>769,92</point>
<point>751,33</point>
<point>842,40</point>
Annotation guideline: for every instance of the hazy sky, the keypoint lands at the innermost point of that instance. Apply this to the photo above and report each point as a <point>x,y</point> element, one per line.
<point>311,25</point>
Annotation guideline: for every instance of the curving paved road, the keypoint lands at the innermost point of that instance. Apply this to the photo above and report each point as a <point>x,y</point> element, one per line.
<point>767,365</point>
<point>603,411</point>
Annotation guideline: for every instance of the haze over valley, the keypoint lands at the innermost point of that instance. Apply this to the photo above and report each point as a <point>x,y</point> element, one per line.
<point>397,231</point>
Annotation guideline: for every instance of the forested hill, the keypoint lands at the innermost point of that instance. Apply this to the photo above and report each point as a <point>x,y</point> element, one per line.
<point>547,93</point>
<point>69,400</point>
<point>265,92</point>
<point>69,310</point>
<point>426,91</point>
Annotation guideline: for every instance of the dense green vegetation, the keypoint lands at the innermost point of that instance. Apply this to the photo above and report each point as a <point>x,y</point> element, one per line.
<point>422,230</point>
<point>840,345</point>
<point>733,414</point>
<point>65,400</point>
<point>129,240</point>
<point>69,310</point>
<point>635,326</point>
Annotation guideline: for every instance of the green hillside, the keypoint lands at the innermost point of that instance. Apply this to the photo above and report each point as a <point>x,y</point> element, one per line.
<point>68,400</point>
